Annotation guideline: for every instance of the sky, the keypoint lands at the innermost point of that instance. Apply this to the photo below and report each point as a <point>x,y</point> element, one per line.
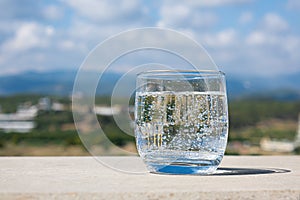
<point>244,37</point>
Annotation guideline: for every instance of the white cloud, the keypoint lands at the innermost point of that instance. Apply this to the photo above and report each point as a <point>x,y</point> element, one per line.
<point>224,38</point>
<point>105,10</point>
<point>272,49</point>
<point>270,31</point>
<point>274,22</point>
<point>91,33</point>
<point>264,38</point>
<point>182,16</point>
<point>293,5</point>
<point>53,12</point>
<point>28,42</point>
<point>14,9</point>
<point>287,42</point>
<point>8,27</point>
<point>292,45</point>
<point>246,17</point>
<point>67,44</point>
<point>256,38</point>
<point>29,35</point>
<point>214,3</point>
<point>222,46</point>
<point>172,15</point>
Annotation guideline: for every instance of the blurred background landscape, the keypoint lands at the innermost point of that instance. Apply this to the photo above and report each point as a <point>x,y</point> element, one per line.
<point>43,43</point>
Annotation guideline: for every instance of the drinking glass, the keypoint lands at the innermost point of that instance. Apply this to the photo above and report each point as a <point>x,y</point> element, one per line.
<point>181,120</point>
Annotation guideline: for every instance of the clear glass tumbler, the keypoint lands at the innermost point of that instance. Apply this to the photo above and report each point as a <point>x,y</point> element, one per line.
<point>181,120</point>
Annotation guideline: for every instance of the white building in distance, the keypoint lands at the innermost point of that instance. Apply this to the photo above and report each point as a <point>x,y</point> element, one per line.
<point>21,121</point>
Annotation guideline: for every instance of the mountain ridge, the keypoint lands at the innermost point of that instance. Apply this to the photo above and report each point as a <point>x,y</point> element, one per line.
<point>60,82</point>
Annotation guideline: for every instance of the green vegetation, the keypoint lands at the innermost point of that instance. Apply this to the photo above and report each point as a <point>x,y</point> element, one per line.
<point>250,120</point>
<point>9,104</point>
<point>113,132</point>
<point>38,138</point>
<point>249,112</point>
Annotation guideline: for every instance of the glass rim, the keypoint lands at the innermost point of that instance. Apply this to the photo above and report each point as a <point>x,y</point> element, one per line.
<point>179,72</point>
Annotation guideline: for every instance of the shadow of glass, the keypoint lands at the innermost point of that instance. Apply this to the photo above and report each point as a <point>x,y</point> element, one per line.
<point>230,171</point>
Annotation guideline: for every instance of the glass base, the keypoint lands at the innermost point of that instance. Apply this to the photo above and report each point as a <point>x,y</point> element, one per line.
<point>202,167</point>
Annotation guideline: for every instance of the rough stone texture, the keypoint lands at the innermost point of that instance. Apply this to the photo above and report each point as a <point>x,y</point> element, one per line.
<point>240,177</point>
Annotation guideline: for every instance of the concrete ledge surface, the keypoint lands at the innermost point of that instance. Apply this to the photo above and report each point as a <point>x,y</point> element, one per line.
<point>239,177</point>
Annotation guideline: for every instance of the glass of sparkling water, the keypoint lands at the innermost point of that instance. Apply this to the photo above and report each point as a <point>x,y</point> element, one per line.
<point>181,120</point>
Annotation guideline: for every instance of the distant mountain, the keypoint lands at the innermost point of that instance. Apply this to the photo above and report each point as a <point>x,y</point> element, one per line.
<point>286,87</point>
<point>55,82</point>
<point>50,83</point>
<point>61,82</point>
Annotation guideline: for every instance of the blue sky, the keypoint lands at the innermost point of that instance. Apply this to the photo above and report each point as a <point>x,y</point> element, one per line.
<point>245,37</point>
